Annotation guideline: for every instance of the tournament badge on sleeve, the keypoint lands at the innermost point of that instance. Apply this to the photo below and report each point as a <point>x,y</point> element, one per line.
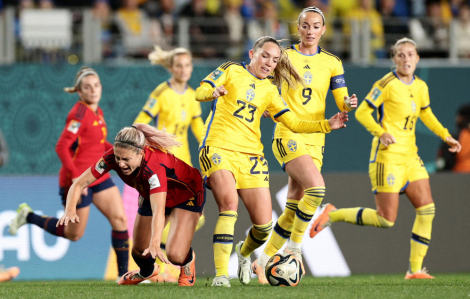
<point>73,126</point>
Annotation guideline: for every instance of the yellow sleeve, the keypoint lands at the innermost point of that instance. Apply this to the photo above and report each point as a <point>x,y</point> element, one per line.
<point>197,126</point>
<point>430,120</point>
<point>338,86</point>
<point>365,118</point>
<point>297,125</point>
<point>339,95</point>
<point>149,111</point>
<point>204,92</point>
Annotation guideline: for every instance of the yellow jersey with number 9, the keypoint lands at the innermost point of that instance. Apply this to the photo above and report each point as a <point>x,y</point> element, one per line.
<point>398,107</point>
<point>321,71</point>
<point>234,120</point>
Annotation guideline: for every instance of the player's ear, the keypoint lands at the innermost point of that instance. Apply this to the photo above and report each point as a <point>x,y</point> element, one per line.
<point>251,54</point>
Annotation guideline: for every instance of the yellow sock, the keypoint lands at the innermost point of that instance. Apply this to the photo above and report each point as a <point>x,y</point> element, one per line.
<point>421,235</point>
<point>305,210</point>
<point>282,229</point>
<point>223,241</point>
<point>201,222</point>
<point>163,243</point>
<point>360,216</point>
<point>256,238</point>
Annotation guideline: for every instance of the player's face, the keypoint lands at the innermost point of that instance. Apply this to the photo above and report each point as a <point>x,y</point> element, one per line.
<point>127,159</point>
<point>90,89</point>
<point>182,68</point>
<point>264,60</point>
<point>311,28</point>
<point>406,59</point>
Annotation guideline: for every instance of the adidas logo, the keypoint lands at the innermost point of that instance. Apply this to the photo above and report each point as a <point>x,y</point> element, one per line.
<point>190,204</point>
<point>95,123</point>
<point>266,179</point>
<point>306,67</point>
<point>252,86</point>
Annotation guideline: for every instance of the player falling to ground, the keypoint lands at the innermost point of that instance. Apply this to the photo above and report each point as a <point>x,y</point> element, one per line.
<point>400,98</point>
<point>172,106</point>
<point>81,143</point>
<point>231,152</point>
<point>301,155</point>
<point>169,189</point>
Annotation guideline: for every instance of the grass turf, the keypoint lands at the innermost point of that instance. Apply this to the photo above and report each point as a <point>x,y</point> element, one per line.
<point>358,286</point>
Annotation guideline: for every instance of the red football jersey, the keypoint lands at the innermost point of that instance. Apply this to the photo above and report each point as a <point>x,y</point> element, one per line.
<point>158,172</point>
<point>81,143</point>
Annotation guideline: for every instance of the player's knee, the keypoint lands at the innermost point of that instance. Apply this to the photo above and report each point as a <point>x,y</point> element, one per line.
<point>74,236</point>
<point>119,222</point>
<point>176,256</point>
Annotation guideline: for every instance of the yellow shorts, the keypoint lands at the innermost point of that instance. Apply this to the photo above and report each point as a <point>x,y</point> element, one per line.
<point>287,150</point>
<point>249,170</point>
<point>394,178</point>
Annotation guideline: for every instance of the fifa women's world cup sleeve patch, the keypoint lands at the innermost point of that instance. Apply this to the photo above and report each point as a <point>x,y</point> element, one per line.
<point>101,166</point>
<point>154,182</point>
<point>216,74</point>
<point>73,126</point>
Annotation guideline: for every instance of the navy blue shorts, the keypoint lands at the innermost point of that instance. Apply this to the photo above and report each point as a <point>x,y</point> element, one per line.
<point>87,199</point>
<point>145,209</point>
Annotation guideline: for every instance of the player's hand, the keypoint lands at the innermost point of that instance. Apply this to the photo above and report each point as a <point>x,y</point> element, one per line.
<point>70,215</point>
<point>156,251</point>
<point>219,91</point>
<point>84,191</point>
<point>455,146</point>
<point>387,139</point>
<point>338,120</point>
<point>266,113</point>
<point>351,102</point>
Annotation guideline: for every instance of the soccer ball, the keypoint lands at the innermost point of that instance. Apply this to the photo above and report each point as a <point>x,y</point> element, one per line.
<point>283,270</point>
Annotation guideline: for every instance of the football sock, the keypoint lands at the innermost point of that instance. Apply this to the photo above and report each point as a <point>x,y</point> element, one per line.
<point>256,237</point>
<point>305,210</point>
<point>46,223</point>
<point>421,235</point>
<point>146,264</point>
<point>201,222</point>
<point>223,241</point>
<point>282,230</point>
<point>189,257</point>
<point>120,242</point>
<point>360,216</point>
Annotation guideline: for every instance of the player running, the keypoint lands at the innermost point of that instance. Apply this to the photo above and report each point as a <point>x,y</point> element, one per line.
<point>395,167</point>
<point>81,143</point>
<point>231,152</point>
<point>169,190</point>
<point>301,155</point>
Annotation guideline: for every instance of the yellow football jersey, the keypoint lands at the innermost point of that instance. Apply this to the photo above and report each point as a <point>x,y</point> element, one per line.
<point>399,105</point>
<point>175,112</point>
<point>320,71</point>
<point>234,121</point>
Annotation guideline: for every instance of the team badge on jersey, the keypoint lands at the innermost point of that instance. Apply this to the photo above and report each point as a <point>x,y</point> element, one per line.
<point>375,94</point>
<point>250,95</point>
<point>74,126</point>
<point>292,145</point>
<point>308,77</point>
<point>216,158</point>
<point>216,74</point>
<point>101,166</point>
<point>154,182</point>
<point>413,106</point>
<point>391,180</point>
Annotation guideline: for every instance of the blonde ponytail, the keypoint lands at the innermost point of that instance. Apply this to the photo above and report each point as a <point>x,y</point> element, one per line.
<point>165,58</point>
<point>139,135</point>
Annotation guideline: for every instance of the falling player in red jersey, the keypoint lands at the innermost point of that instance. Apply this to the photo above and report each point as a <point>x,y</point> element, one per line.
<point>169,189</point>
<point>81,143</point>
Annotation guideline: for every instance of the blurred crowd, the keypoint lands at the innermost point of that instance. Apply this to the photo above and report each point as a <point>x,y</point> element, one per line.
<point>225,28</point>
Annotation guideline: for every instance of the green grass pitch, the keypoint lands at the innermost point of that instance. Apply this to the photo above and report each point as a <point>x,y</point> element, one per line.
<point>357,286</point>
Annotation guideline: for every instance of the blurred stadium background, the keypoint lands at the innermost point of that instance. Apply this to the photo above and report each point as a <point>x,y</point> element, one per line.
<point>43,43</point>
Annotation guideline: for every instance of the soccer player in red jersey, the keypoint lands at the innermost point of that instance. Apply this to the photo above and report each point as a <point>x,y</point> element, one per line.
<point>169,189</point>
<point>81,143</point>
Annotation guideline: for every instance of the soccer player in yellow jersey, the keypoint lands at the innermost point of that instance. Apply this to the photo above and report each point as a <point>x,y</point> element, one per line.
<point>172,106</point>
<point>301,155</point>
<point>400,98</point>
<point>231,153</point>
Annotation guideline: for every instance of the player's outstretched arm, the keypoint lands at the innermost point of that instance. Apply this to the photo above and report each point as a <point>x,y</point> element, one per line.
<point>455,146</point>
<point>206,92</point>
<point>365,118</point>
<point>75,192</point>
<point>157,202</point>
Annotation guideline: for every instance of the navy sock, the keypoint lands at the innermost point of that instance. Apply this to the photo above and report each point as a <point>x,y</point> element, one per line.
<point>146,264</point>
<point>120,242</point>
<point>46,223</point>
<point>188,258</point>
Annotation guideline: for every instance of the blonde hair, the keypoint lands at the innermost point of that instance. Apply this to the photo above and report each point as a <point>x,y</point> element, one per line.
<point>82,73</point>
<point>284,71</point>
<point>139,135</point>
<point>402,41</point>
<point>166,58</point>
<point>311,9</point>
